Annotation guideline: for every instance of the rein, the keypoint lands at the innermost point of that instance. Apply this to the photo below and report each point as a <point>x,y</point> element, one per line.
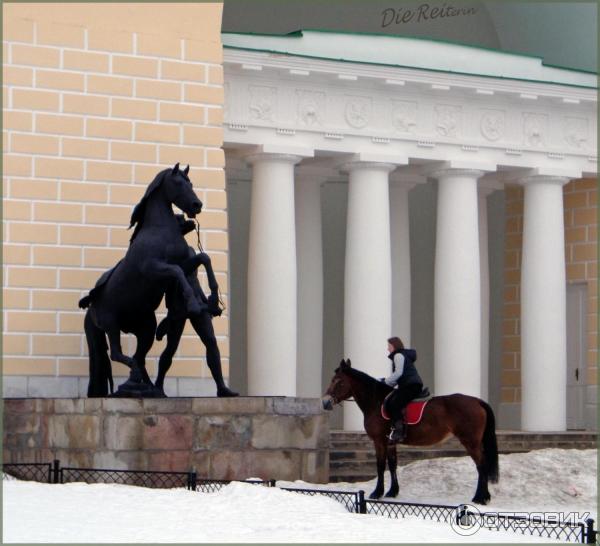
<point>201,249</point>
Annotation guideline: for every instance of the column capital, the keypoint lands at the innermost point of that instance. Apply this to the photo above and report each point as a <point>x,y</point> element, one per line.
<point>543,179</point>
<point>253,159</point>
<point>456,167</point>
<point>454,172</point>
<point>276,152</point>
<point>367,165</point>
<point>367,160</point>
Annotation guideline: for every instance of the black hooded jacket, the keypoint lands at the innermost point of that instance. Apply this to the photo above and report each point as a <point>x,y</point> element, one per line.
<point>405,373</point>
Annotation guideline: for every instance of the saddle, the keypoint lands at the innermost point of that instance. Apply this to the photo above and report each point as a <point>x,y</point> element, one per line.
<point>413,413</point>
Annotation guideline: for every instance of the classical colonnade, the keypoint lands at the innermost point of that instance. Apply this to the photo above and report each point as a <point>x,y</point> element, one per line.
<point>285,278</point>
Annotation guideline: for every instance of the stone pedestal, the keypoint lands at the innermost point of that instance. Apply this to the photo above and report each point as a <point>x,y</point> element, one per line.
<point>235,438</point>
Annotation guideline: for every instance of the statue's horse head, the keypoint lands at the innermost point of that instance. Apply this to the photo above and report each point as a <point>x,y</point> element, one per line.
<point>175,187</point>
<point>179,190</point>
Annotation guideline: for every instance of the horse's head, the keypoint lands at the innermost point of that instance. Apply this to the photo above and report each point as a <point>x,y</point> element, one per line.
<point>340,388</point>
<point>180,192</point>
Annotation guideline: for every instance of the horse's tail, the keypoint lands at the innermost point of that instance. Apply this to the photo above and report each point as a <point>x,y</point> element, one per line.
<point>84,302</point>
<point>100,366</point>
<point>490,444</point>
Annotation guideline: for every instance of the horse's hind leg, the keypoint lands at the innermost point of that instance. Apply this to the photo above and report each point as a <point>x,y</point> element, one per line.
<point>392,459</point>
<point>116,353</point>
<point>475,451</point>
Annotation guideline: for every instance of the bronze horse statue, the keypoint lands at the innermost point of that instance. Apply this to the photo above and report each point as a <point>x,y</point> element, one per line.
<point>125,297</point>
<point>468,418</point>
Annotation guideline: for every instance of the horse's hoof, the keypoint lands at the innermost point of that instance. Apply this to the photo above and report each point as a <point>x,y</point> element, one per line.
<point>477,500</point>
<point>376,494</point>
<point>391,493</point>
<point>226,393</point>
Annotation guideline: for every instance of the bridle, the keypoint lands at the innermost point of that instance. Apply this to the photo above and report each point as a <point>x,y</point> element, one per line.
<point>201,249</point>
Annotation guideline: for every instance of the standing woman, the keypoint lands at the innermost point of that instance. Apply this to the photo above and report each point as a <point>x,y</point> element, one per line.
<point>407,386</point>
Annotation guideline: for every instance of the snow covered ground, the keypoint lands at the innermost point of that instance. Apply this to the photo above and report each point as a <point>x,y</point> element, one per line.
<point>546,479</point>
<point>35,512</point>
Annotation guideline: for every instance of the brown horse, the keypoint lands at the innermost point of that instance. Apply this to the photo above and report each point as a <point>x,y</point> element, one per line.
<point>468,418</point>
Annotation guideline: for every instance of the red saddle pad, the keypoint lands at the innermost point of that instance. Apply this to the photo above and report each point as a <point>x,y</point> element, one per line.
<point>413,412</point>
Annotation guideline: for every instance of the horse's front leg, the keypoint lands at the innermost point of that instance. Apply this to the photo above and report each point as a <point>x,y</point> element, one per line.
<point>392,459</point>
<point>162,271</point>
<point>380,452</point>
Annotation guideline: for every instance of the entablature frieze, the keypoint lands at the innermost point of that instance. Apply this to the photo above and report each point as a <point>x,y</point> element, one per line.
<point>425,116</point>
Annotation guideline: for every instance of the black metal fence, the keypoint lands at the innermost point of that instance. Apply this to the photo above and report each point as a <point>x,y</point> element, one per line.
<point>353,501</point>
<point>35,472</point>
<point>461,517</point>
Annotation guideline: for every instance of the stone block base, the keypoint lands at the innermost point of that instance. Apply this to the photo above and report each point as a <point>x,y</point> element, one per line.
<point>230,438</point>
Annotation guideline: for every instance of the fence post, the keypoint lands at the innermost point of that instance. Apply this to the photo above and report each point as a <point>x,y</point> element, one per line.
<point>272,483</point>
<point>590,533</point>
<point>55,471</point>
<point>361,504</point>
<point>192,480</point>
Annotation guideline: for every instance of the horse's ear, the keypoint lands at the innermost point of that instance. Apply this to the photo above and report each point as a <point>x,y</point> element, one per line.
<point>186,170</point>
<point>342,363</point>
<point>348,363</point>
<point>175,168</point>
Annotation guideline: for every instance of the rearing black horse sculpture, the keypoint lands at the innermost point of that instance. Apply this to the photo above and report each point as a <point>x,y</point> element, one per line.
<point>125,298</point>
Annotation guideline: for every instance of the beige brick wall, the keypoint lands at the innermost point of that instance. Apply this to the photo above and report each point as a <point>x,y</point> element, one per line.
<point>581,236</point>
<point>97,99</point>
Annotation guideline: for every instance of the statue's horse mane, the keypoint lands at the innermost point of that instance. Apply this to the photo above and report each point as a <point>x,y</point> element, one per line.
<point>139,211</point>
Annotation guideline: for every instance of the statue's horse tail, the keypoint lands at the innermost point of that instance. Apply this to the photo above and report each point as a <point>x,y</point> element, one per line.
<point>100,366</point>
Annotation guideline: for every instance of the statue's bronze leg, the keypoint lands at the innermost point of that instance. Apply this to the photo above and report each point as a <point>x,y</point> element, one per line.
<point>174,331</point>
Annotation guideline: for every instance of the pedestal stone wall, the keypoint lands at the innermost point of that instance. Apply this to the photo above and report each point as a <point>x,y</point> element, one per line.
<point>237,438</point>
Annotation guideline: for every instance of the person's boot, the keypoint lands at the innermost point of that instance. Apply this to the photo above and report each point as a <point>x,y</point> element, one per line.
<point>398,432</point>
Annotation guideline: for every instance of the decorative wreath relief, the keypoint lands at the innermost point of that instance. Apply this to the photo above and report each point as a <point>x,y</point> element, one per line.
<point>576,132</point>
<point>262,102</point>
<point>404,116</point>
<point>534,128</point>
<point>311,106</point>
<point>448,120</point>
<point>492,124</point>
<point>358,112</point>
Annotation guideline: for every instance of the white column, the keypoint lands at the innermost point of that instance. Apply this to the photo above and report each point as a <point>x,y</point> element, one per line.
<point>485,290</point>
<point>309,254</point>
<point>543,306</point>
<point>271,319</point>
<point>457,289</point>
<point>400,185</point>
<point>367,288</point>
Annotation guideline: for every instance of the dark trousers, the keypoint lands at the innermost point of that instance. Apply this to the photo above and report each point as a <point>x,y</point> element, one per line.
<point>399,399</point>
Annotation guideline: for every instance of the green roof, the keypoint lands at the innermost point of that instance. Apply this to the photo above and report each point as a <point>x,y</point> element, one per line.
<point>410,52</point>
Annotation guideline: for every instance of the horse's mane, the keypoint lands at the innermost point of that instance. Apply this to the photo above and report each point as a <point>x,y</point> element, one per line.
<point>368,380</point>
<point>139,211</point>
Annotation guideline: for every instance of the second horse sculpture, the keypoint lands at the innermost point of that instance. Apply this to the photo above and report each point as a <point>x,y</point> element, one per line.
<point>125,298</point>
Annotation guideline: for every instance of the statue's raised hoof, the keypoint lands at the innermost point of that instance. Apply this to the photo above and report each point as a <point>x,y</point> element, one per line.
<point>226,393</point>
